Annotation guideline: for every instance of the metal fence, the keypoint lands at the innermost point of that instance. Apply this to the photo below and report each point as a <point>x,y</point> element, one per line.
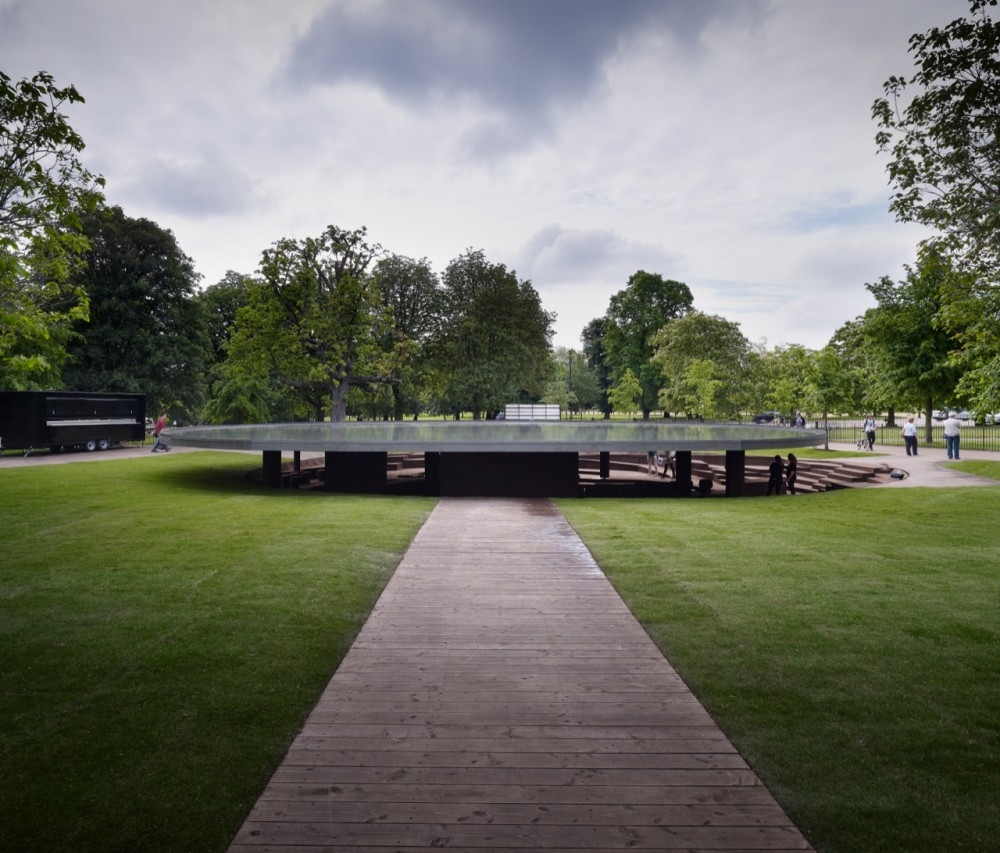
<point>974,437</point>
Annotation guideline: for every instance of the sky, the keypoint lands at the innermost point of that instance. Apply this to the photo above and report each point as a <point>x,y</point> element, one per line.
<point>726,144</point>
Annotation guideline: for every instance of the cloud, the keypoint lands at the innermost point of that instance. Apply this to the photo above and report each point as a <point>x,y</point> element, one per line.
<point>515,60</point>
<point>558,257</point>
<point>209,186</point>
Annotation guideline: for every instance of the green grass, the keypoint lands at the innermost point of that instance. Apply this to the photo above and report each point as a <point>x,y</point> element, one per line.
<point>164,629</point>
<point>848,643</point>
<point>980,467</point>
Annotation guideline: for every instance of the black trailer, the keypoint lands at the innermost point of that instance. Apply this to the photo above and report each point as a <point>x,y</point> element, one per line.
<point>64,420</point>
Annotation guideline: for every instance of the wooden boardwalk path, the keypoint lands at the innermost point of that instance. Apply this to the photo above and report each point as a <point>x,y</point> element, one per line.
<point>502,697</point>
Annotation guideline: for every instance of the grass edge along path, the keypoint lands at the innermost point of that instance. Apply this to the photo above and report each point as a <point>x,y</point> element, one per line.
<point>164,629</point>
<point>848,643</point>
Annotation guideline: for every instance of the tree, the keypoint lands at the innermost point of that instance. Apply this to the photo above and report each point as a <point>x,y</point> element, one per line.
<point>787,370</point>
<point>703,361</point>
<point>44,188</point>
<point>411,296</point>
<point>146,332</point>
<point>493,344</point>
<point>915,352</point>
<point>634,316</point>
<point>828,387</point>
<point>572,384</point>
<point>592,339</point>
<point>626,395</point>
<point>220,302</point>
<point>314,320</point>
<point>944,147</point>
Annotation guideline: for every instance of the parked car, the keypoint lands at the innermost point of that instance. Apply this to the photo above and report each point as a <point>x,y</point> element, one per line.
<point>942,415</point>
<point>767,418</point>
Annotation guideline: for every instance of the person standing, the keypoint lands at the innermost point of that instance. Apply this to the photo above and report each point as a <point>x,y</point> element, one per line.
<point>775,471</point>
<point>952,435</point>
<point>791,473</point>
<point>910,436</point>
<point>869,430</point>
<point>161,424</point>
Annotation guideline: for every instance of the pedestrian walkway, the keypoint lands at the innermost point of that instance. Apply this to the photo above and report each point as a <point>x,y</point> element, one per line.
<point>927,468</point>
<point>502,697</point>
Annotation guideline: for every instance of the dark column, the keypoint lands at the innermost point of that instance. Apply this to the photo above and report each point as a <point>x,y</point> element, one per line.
<point>432,473</point>
<point>683,464</point>
<point>736,473</point>
<point>605,462</point>
<point>297,461</point>
<point>359,473</point>
<point>272,468</point>
<point>510,475</point>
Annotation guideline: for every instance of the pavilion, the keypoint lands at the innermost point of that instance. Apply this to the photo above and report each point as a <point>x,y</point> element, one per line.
<point>492,458</point>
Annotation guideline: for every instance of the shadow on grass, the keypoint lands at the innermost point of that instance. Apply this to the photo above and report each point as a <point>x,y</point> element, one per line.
<point>206,472</point>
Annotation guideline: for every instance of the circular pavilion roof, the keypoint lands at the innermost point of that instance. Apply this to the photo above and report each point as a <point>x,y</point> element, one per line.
<point>495,436</point>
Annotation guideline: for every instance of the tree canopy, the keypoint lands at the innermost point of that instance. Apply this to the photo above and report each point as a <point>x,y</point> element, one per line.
<point>412,299</point>
<point>146,333</point>
<point>314,319</point>
<point>44,188</point>
<point>704,361</point>
<point>943,140</point>
<point>635,314</point>
<point>493,342</point>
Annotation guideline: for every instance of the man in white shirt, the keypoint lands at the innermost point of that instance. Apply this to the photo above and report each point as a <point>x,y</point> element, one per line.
<point>952,428</point>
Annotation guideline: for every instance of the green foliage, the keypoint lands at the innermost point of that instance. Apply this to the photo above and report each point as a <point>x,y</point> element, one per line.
<point>43,189</point>
<point>146,332</point>
<point>704,362</point>
<point>592,339</point>
<point>314,319</point>
<point>412,298</point>
<point>915,354</point>
<point>573,385</point>
<point>945,164</point>
<point>220,302</point>
<point>829,386</point>
<point>787,370</point>
<point>634,316</point>
<point>493,343</point>
<point>626,395</point>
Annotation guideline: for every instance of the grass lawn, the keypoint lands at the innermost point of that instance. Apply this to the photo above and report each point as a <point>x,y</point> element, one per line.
<point>164,629</point>
<point>848,643</point>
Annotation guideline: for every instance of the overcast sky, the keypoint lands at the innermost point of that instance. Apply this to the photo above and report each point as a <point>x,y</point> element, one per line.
<point>727,144</point>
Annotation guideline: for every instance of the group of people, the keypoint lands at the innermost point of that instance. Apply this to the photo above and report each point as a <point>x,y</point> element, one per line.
<point>952,434</point>
<point>782,474</point>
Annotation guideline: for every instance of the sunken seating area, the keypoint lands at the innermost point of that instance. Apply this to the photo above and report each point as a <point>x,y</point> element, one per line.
<point>628,477</point>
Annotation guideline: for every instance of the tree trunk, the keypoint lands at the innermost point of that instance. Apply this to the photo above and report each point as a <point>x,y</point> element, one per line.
<point>397,403</point>
<point>338,402</point>
<point>928,420</point>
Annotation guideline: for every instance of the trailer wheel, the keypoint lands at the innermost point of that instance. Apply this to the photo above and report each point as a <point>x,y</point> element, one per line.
<point>90,446</point>
<point>103,444</point>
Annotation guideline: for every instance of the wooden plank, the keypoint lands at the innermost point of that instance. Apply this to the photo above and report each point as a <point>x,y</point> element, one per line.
<point>501,696</point>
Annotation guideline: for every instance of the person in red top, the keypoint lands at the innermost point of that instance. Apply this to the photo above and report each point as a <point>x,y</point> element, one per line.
<point>161,424</point>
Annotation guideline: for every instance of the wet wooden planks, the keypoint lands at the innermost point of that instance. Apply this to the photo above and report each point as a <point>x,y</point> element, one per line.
<point>502,697</point>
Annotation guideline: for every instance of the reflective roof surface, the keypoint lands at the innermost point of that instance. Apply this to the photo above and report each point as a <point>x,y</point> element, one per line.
<point>495,436</point>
